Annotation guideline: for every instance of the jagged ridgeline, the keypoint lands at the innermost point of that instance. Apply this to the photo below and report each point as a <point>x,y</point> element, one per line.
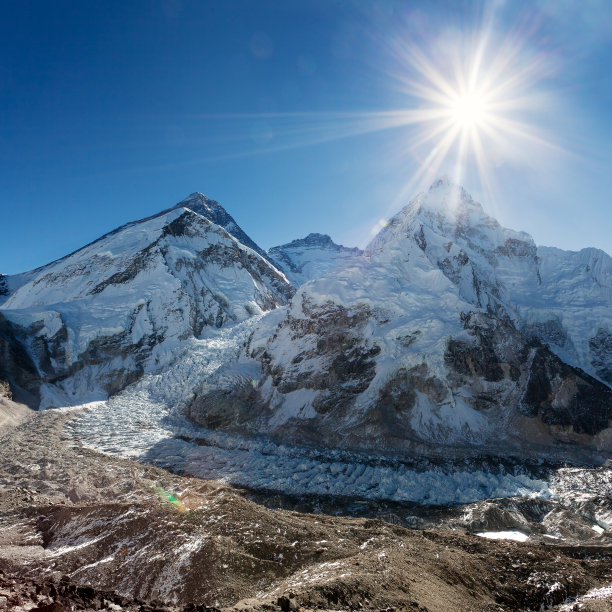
<point>448,334</point>
<point>87,325</point>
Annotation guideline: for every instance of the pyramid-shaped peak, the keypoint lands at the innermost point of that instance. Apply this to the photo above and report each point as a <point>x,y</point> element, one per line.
<point>315,239</point>
<point>213,211</point>
<point>446,185</point>
<point>207,207</point>
<point>197,198</point>
<point>443,181</point>
<point>445,199</point>
<point>447,210</point>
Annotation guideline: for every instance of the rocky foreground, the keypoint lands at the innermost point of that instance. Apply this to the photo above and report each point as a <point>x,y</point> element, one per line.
<point>84,531</point>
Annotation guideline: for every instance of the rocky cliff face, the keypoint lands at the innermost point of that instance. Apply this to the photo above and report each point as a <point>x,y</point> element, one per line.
<point>96,320</point>
<point>451,332</point>
<point>18,373</point>
<point>311,257</point>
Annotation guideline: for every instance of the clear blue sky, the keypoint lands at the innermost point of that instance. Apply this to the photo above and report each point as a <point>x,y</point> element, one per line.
<point>111,111</point>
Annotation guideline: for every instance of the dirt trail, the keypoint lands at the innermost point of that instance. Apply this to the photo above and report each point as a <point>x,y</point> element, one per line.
<point>79,520</point>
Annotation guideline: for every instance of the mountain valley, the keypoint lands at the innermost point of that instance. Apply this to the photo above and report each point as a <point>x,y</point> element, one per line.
<point>311,426</point>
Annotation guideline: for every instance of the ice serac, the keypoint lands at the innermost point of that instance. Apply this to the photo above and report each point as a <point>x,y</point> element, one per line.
<point>311,257</point>
<point>451,334</point>
<point>96,320</point>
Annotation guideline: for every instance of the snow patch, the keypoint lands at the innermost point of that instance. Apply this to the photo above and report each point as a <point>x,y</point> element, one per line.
<point>517,536</point>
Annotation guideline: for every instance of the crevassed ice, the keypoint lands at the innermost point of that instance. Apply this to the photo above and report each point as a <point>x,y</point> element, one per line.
<point>143,423</point>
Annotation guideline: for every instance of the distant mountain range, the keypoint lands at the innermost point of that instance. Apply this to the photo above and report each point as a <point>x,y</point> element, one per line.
<point>448,334</point>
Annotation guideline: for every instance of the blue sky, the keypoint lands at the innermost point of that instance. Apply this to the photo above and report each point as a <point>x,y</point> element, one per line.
<point>111,111</point>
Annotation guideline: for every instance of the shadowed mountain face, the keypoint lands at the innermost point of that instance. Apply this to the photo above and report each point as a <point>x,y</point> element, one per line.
<point>93,322</point>
<point>449,332</point>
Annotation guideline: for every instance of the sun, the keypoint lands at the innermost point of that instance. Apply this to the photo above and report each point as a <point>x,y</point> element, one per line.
<point>472,103</point>
<point>469,110</point>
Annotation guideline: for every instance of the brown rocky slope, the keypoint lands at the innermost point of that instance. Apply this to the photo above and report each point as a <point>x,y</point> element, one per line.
<point>86,531</point>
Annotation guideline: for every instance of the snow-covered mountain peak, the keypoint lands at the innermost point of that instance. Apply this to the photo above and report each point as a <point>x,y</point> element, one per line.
<point>313,240</point>
<point>449,200</point>
<point>213,211</point>
<point>201,201</point>
<point>445,186</point>
<point>451,331</point>
<point>487,262</point>
<point>202,204</point>
<point>446,206</point>
<point>99,318</point>
<point>196,195</point>
<point>308,258</point>
<point>448,212</point>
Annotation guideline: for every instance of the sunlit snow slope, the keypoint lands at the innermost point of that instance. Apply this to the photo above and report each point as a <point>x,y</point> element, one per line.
<point>89,324</point>
<point>451,334</point>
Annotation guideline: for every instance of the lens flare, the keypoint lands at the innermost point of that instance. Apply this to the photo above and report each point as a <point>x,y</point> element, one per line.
<point>476,95</point>
<point>473,99</point>
<point>177,503</point>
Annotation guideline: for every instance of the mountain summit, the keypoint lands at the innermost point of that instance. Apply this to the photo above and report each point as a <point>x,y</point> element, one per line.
<point>449,335</point>
<point>307,258</point>
<point>451,332</point>
<point>214,212</point>
<point>96,320</point>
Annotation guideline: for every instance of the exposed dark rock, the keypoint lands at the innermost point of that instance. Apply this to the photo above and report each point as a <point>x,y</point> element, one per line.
<point>600,346</point>
<point>399,392</point>
<point>407,339</point>
<point>550,332</point>
<point>555,392</point>
<point>420,239</point>
<point>348,365</point>
<point>225,408</point>
<point>136,265</point>
<point>287,603</point>
<point>517,248</point>
<point>5,390</point>
<point>560,394</point>
<point>16,366</point>
<point>185,225</point>
<point>477,358</point>
<point>398,397</point>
